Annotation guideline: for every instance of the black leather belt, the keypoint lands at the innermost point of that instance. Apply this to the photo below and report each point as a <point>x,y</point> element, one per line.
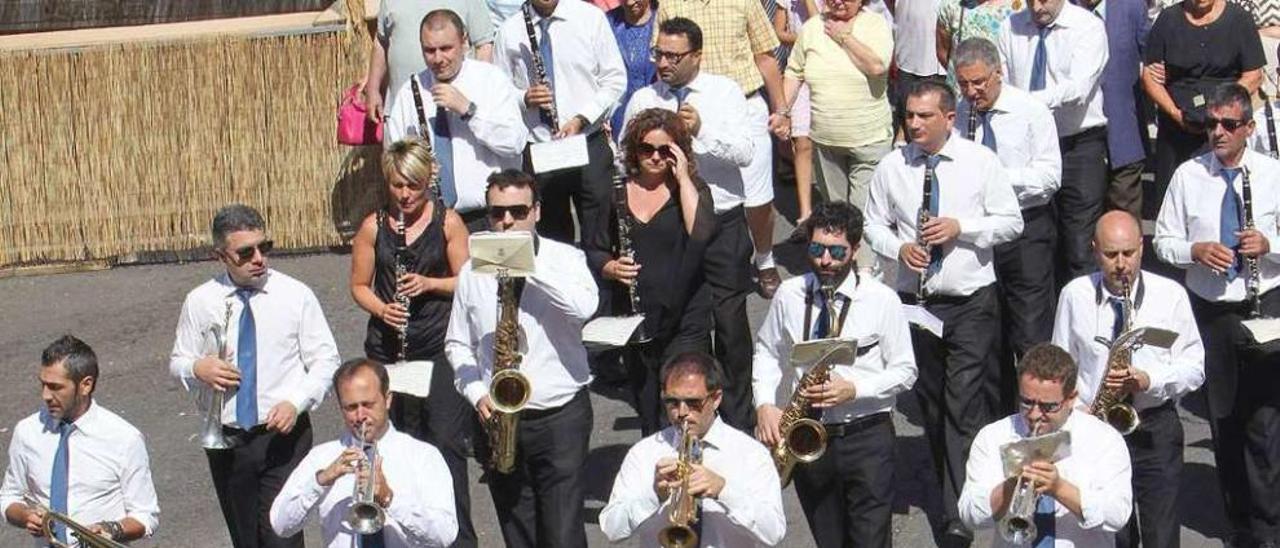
<point>840,430</point>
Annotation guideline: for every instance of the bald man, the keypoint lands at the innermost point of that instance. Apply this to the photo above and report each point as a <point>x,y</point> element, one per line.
<point>1091,313</point>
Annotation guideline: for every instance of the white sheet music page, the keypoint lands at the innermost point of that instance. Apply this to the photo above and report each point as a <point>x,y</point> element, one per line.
<point>920,317</point>
<point>558,154</point>
<point>610,331</point>
<point>413,378</point>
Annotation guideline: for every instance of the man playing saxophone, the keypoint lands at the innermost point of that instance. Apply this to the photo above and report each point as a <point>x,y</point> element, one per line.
<point>1095,309</point>
<point>1081,499</point>
<point>733,490</point>
<point>539,502</point>
<point>78,459</point>
<point>847,492</point>
<point>410,483</point>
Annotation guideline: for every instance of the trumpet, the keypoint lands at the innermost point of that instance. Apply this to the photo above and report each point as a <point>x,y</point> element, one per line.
<point>1018,525</point>
<point>86,537</point>
<point>684,507</point>
<point>211,436</point>
<point>365,517</point>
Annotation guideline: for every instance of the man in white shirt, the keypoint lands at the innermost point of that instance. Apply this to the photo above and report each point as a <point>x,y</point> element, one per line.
<point>540,502</point>
<point>915,52</point>
<point>472,113</point>
<point>585,77</point>
<point>409,480</point>
<point>1091,312</point>
<point>734,486</point>
<point>110,492</point>
<point>1057,51</point>
<point>1081,498</point>
<point>1219,221</point>
<point>1020,130</point>
<point>846,493</point>
<point>274,365</point>
<point>711,106</point>
<point>971,209</point>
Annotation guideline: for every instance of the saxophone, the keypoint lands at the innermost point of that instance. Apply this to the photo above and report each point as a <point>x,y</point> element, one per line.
<point>804,439</point>
<point>684,507</point>
<point>509,389</point>
<point>402,249</point>
<point>539,66</point>
<point>623,214</point>
<point>1108,404</point>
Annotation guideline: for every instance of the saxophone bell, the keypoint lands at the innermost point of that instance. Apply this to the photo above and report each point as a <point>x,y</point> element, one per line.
<point>509,391</point>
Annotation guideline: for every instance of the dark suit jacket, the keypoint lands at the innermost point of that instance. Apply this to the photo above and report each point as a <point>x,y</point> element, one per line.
<point>1127,25</point>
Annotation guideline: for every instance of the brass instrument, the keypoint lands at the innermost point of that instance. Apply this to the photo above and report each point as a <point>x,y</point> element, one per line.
<point>921,218</point>
<point>86,537</point>
<point>1253,283</point>
<point>539,66</point>
<point>971,130</point>
<point>211,436</point>
<point>509,389</point>
<point>804,440</point>
<point>402,249</point>
<point>684,507</point>
<point>1018,525</point>
<point>1110,405</point>
<point>365,516</point>
<point>623,213</point>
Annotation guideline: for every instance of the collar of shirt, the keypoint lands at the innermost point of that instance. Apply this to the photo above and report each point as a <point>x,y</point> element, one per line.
<point>231,288</point>
<point>697,84</point>
<point>848,287</point>
<point>348,438</point>
<point>1216,168</point>
<point>714,438</point>
<point>1101,293</point>
<point>91,418</point>
<point>918,154</point>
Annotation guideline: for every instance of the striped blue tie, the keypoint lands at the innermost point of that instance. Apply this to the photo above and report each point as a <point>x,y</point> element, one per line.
<point>247,361</point>
<point>58,483</point>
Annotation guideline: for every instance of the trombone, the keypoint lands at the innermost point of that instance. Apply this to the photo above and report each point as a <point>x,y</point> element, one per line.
<point>86,537</point>
<point>211,436</point>
<point>365,517</point>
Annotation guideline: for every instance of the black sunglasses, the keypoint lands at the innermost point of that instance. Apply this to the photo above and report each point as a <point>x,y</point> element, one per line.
<point>646,150</point>
<point>1046,407</point>
<point>838,252</point>
<point>1229,124</point>
<point>518,212</point>
<point>675,58</point>
<point>694,404</point>
<point>245,253</point>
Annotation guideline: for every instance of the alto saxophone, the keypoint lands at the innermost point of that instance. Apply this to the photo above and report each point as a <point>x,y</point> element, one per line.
<point>623,214</point>
<point>804,440</point>
<point>539,65</point>
<point>684,507</point>
<point>402,250</point>
<point>1109,404</point>
<point>509,389</point>
<point>211,436</point>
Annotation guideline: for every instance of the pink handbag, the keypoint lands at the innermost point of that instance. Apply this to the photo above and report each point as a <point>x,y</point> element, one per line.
<point>354,126</point>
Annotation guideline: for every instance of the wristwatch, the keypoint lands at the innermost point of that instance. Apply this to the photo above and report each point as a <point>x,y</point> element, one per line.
<point>113,529</point>
<point>471,111</point>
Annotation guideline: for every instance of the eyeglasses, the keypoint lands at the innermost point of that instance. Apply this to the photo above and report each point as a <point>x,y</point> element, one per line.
<point>1229,124</point>
<point>694,404</point>
<point>245,253</point>
<point>646,150</point>
<point>518,212</point>
<point>675,58</point>
<point>838,252</point>
<point>1046,407</point>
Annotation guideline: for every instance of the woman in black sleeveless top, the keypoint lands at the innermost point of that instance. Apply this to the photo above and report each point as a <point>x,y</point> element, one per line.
<point>435,241</point>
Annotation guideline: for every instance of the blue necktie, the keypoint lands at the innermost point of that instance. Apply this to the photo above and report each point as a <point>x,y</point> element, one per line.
<point>373,540</point>
<point>1045,522</point>
<point>930,173</point>
<point>681,93</point>
<point>1229,222</point>
<point>247,361</point>
<point>58,483</point>
<point>988,136</point>
<point>1117,306</point>
<point>444,155</point>
<point>1040,65</point>
<point>548,62</point>
<point>823,328</point>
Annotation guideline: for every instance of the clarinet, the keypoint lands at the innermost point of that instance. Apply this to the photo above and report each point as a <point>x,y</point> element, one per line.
<point>424,128</point>
<point>402,249</point>
<point>1254,281</point>
<point>539,68</point>
<point>1271,122</point>
<point>921,218</point>
<point>623,213</point>
<point>971,130</point>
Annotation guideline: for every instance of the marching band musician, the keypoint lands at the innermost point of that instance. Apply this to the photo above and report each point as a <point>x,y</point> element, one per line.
<point>672,221</point>
<point>284,356</point>
<point>1091,310</point>
<point>973,208</point>
<point>1081,499</point>
<point>540,502</point>
<point>77,458</point>
<point>847,493</point>
<point>409,479</point>
<point>435,246</point>
<point>1203,228</point>
<point>735,487</point>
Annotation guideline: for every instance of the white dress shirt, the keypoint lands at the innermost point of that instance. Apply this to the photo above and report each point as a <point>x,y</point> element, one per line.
<point>557,300</point>
<point>296,352</point>
<point>1085,313</point>
<point>421,512</point>
<point>589,74</point>
<point>723,145</point>
<point>108,479</point>
<point>748,512</point>
<point>885,365</point>
<point>1191,212</point>
<point>1098,465</point>
<point>1026,142</point>
<point>972,189</point>
<point>915,37</point>
<point>1076,48</point>
<point>492,140</point>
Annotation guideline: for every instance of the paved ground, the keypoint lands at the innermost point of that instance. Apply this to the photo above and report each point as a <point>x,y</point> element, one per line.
<point>128,315</point>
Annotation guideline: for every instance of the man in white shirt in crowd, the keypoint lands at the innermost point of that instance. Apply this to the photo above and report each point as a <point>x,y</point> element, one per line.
<point>1092,311</point>
<point>1219,222</point>
<point>1083,498</point>
<point>540,502</point>
<point>585,77</point>
<point>1020,130</point>
<point>847,493</point>
<point>945,266</point>
<point>472,112</point>
<point>275,364</point>
<point>110,492</point>
<point>409,480</point>
<point>737,499</point>
<point>712,107</point>
<point>1057,51</point>
<point>915,52</point>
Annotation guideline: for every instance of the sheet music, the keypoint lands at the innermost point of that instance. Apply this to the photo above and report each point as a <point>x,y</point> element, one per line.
<point>413,378</point>
<point>1263,330</point>
<point>920,317</point>
<point>492,251</point>
<point>808,353</point>
<point>610,331</point>
<point>566,153</point>
<point>1053,446</point>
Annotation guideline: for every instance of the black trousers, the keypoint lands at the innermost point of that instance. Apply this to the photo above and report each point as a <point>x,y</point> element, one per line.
<point>1244,416</point>
<point>445,420</point>
<point>587,187</point>
<point>847,494</point>
<point>1155,449</point>
<point>1079,201</point>
<point>540,502</point>
<point>728,270</point>
<point>1028,295</point>
<point>956,386</point>
<point>248,477</point>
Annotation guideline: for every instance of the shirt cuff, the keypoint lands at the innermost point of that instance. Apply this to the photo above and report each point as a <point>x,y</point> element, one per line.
<point>865,387</point>
<point>1091,516</point>
<point>1181,252</point>
<point>474,392</point>
<point>1160,378</point>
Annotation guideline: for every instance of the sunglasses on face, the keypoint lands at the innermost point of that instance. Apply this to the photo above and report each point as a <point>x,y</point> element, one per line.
<point>245,253</point>
<point>694,404</point>
<point>1229,124</point>
<point>838,252</point>
<point>518,212</point>
<point>1046,407</point>
<point>646,150</point>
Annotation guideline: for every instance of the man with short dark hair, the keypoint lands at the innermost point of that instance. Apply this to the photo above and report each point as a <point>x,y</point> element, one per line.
<point>110,491</point>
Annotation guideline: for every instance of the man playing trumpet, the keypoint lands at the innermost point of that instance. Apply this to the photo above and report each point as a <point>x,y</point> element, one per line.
<point>733,489</point>
<point>410,483</point>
